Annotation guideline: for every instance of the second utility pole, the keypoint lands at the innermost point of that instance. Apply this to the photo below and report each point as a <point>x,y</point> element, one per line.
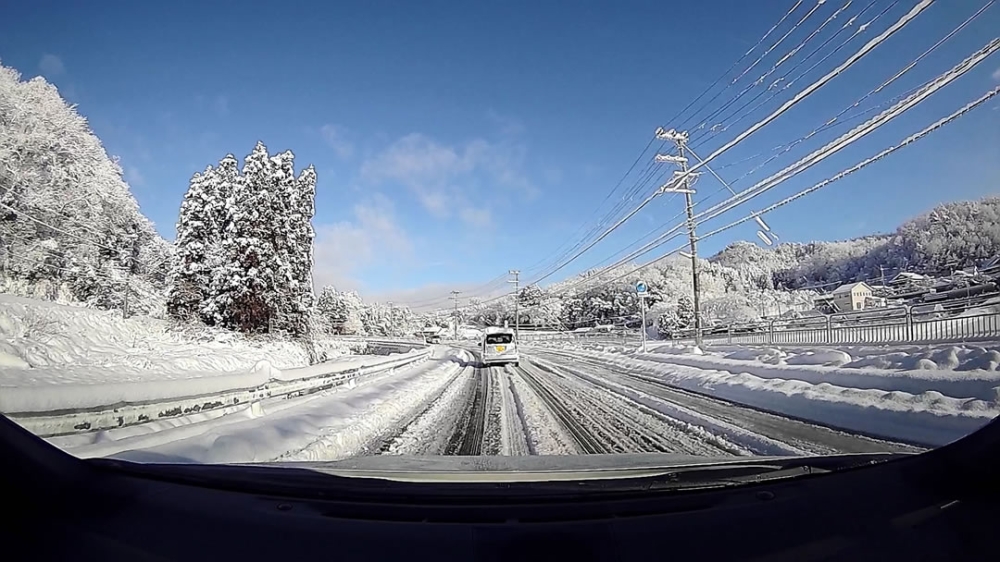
<point>517,319</point>
<point>454,296</point>
<point>692,239</point>
<point>680,139</point>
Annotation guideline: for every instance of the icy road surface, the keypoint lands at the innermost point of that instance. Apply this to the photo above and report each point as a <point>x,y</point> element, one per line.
<point>552,404</point>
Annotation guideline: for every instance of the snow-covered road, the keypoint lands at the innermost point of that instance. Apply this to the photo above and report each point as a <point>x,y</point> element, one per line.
<point>554,403</point>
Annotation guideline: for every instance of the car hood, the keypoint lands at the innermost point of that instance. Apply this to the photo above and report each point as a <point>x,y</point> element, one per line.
<point>520,469</point>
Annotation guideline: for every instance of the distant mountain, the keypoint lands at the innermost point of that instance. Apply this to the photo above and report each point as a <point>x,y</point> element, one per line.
<point>951,236</point>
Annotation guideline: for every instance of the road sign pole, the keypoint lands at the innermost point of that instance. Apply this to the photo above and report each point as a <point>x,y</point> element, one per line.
<point>642,306</point>
<point>640,291</point>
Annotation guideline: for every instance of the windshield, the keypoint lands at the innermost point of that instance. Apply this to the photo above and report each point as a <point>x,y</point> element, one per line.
<point>499,338</point>
<point>708,230</point>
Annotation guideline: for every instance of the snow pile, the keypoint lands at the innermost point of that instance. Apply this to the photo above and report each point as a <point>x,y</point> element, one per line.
<point>330,425</point>
<point>961,357</point>
<point>931,407</point>
<point>957,358</point>
<point>56,357</point>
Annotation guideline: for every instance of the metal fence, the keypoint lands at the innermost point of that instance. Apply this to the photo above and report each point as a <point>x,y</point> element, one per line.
<point>909,324</point>
<point>880,326</point>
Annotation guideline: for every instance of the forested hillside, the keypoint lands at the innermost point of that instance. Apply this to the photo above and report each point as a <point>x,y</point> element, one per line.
<point>951,236</point>
<point>69,226</point>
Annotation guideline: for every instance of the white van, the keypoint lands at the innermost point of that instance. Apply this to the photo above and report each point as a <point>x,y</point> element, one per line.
<point>499,347</point>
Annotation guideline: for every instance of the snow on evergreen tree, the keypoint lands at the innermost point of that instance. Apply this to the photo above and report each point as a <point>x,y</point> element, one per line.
<point>301,235</point>
<point>685,311</point>
<point>85,224</point>
<point>246,237</point>
<point>243,291</point>
<point>191,276</point>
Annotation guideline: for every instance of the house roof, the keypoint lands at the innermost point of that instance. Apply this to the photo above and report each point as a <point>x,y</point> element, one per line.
<point>849,287</point>
<point>907,276</point>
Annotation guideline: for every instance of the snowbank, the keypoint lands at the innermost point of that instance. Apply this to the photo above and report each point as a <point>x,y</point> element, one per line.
<point>55,357</point>
<point>926,407</point>
<point>44,334</point>
<point>327,426</point>
<point>56,391</point>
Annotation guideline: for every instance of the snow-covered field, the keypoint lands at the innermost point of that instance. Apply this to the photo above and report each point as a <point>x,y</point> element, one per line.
<point>924,394</point>
<point>563,399</point>
<point>58,357</point>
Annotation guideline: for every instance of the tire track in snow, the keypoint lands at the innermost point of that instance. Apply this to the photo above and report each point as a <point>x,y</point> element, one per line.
<point>584,439</point>
<point>628,426</point>
<point>515,435</point>
<point>421,434</point>
<point>467,439</point>
<point>544,434</point>
<point>761,431</point>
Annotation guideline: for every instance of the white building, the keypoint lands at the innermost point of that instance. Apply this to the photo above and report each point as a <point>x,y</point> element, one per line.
<point>852,296</point>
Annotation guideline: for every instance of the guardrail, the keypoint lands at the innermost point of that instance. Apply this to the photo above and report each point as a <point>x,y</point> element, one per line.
<point>54,423</point>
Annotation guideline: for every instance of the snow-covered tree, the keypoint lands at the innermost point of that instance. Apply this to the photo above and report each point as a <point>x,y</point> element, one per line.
<point>339,311</point>
<point>246,237</point>
<point>244,289</point>
<point>685,311</point>
<point>196,233</point>
<point>67,217</point>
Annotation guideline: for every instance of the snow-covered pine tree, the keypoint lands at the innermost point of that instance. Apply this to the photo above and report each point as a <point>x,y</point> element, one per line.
<point>293,235</point>
<point>303,236</point>
<point>244,287</point>
<point>685,311</point>
<point>222,193</point>
<point>190,276</point>
<point>281,182</point>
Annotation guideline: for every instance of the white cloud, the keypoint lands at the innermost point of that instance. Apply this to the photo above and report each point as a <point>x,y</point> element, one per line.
<point>505,124</point>
<point>345,249</point>
<point>449,180</point>
<point>134,177</point>
<point>476,217</point>
<point>334,135</point>
<point>996,74</point>
<point>51,65</point>
<point>553,175</point>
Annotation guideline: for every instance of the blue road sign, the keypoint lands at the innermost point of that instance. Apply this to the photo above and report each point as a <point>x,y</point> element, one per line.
<point>640,287</point>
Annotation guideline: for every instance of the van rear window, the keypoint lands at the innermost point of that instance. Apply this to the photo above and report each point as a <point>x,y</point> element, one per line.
<point>492,339</point>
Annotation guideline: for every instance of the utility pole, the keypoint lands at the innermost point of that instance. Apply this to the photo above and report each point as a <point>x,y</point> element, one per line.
<point>454,296</point>
<point>517,317</point>
<point>680,139</point>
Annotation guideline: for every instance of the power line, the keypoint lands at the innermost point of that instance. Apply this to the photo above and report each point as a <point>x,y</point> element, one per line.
<point>722,126</point>
<point>855,134</point>
<point>759,81</point>
<point>638,186</point>
<point>56,228</point>
<point>867,48</point>
<point>908,140</point>
<point>720,92</point>
<point>905,142</point>
<point>907,103</point>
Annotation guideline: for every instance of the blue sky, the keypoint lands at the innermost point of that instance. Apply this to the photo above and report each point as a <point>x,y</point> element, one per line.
<point>456,140</point>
